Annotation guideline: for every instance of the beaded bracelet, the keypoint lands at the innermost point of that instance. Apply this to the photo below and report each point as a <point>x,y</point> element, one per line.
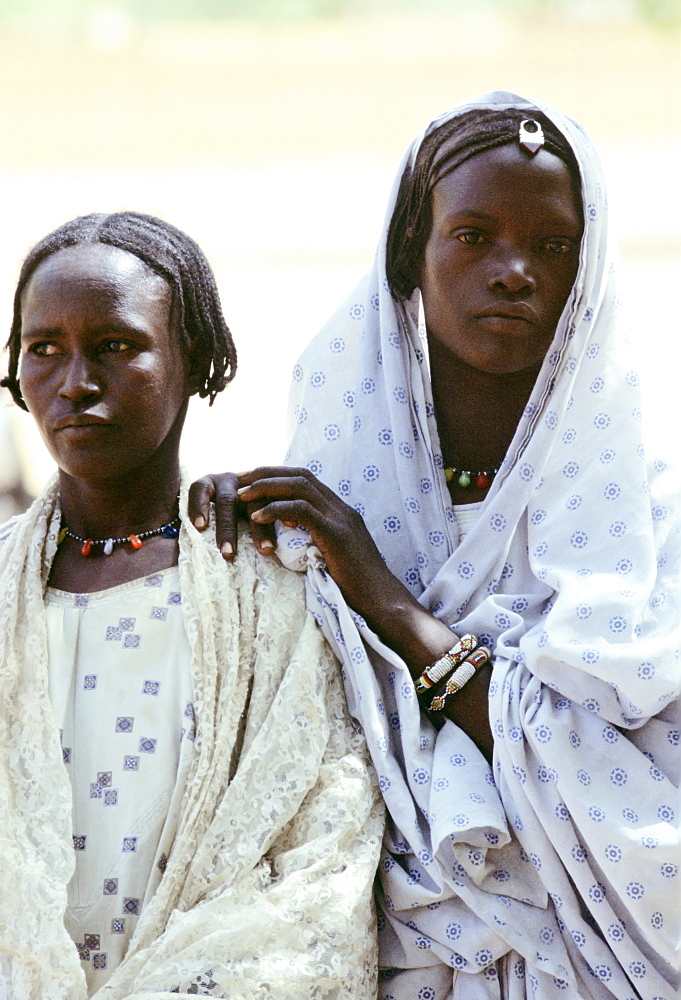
<point>461,676</point>
<point>456,655</point>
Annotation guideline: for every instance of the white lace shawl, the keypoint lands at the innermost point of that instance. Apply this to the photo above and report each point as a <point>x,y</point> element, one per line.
<point>268,889</point>
<point>561,862</point>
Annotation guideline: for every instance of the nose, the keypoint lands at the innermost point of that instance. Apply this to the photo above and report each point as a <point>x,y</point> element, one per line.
<point>511,272</point>
<point>79,381</point>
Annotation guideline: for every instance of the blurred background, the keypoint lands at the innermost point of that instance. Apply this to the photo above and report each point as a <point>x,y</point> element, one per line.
<point>270,131</point>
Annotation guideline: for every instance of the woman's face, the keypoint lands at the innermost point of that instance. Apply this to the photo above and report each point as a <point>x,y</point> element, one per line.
<point>501,258</point>
<point>101,369</point>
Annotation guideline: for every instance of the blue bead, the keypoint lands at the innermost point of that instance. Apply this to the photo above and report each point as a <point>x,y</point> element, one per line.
<point>170,531</point>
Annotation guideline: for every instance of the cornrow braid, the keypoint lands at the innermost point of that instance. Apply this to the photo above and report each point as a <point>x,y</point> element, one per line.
<point>442,151</point>
<point>205,337</point>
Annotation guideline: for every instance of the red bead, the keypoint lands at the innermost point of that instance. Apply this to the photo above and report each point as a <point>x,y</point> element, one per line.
<point>135,541</point>
<point>482,480</point>
<point>86,547</point>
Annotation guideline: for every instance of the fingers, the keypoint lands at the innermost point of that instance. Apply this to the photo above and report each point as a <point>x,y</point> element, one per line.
<point>201,492</point>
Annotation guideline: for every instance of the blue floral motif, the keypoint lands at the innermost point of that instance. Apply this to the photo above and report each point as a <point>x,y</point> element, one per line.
<point>570,470</point>
<point>344,487</point>
<point>315,467</point>
<point>497,522</point>
<point>619,777</point>
<point>613,853</point>
<point>646,671</point>
<point>637,970</point>
<point>357,311</point>
<point>436,537</point>
<point>617,529</point>
<point>466,570</point>
<point>583,611</point>
<point>635,890</point>
<point>400,394</point>
<point>371,473</point>
<point>584,777</point>
<point>666,814</point>
<point>630,815</point>
<point>537,516</point>
<point>426,485</point>
<point>579,540</point>
<point>525,471</point>
<point>617,624</point>
<point>300,414</point>
<point>573,502</point>
<point>612,491</point>
<point>297,373</point>
<point>597,385</point>
<point>349,399</point>
<point>569,435</point>
<point>368,386</point>
<point>607,456</point>
<point>337,345</point>
<point>669,870</point>
<point>624,566</point>
<point>332,432</point>
<point>317,379</point>
<point>592,351</point>
<point>392,524</point>
<point>596,814</point>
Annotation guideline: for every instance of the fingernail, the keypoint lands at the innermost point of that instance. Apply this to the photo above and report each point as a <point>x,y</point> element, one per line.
<point>242,489</point>
<point>227,550</point>
<point>266,546</point>
<point>200,522</point>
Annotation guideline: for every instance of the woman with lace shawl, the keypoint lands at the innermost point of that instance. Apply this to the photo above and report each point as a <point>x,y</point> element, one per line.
<point>491,478</point>
<point>209,823</point>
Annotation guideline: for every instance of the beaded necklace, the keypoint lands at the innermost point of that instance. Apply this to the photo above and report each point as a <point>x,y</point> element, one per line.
<point>169,530</point>
<point>465,477</point>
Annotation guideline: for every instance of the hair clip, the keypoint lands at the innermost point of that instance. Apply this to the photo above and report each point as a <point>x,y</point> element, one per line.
<point>530,135</point>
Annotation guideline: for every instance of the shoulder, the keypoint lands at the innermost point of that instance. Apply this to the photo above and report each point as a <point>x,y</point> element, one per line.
<point>7,529</point>
<point>266,572</point>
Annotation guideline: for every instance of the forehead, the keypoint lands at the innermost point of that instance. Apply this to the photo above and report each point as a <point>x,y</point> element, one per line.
<point>95,277</point>
<point>507,178</point>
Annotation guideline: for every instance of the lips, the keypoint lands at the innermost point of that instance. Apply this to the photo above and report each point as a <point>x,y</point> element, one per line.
<point>78,420</point>
<point>509,310</point>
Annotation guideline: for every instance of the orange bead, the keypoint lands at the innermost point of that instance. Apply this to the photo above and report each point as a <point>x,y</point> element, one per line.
<point>482,481</point>
<point>86,547</point>
<point>135,541</point>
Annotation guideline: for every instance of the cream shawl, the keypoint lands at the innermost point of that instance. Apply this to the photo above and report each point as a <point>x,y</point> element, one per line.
<point>268,887</point>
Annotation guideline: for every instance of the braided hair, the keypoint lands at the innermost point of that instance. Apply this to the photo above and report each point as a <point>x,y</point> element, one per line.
<point>442,151</point>
<point>204,336</point>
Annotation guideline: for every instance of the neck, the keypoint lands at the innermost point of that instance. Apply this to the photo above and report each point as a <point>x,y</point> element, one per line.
<point>477,413</point>
<point>135,503</point>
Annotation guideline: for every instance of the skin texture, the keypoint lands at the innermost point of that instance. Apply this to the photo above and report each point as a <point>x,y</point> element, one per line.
<point>104,378</point>
<point>498,266</point>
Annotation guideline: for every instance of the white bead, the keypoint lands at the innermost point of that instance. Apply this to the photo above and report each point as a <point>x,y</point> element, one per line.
<point>108,546</point>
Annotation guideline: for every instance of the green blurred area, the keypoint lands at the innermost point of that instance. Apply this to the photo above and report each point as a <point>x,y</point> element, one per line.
<point>72,13</point>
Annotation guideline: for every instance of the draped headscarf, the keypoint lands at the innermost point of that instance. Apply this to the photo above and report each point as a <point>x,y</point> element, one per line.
<point>555,869</point>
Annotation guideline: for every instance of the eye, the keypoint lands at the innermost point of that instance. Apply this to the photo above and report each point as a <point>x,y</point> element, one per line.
<point>113,346</point>
<point>470,237</point>
<point>559,246</point>
<point>43,349</point>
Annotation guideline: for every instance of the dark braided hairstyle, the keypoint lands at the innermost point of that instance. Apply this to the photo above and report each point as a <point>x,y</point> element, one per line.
<point>442,151</point>
<point>204,336</point>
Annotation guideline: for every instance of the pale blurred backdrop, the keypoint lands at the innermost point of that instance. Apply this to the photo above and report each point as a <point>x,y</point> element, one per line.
<point>270,130</point>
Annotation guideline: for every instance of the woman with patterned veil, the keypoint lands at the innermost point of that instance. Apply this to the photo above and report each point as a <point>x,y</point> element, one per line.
<point>532,845</point>
<point>187,808</point>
